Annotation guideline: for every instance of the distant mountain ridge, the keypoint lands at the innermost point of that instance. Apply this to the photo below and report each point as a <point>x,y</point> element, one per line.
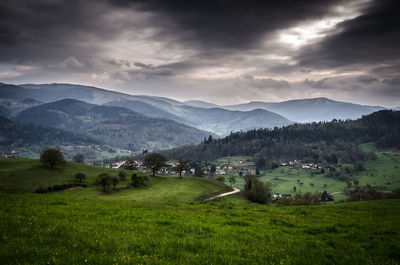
<point>308,110</point>
<point>115,126</point>
<point>216,120</point>
<point>200,104</point>
<point>200,114</point>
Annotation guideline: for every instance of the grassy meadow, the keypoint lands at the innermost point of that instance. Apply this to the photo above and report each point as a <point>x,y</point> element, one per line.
<point>58,228</point>
<point>383,172</point>
<point>28,174</point>
<point>161,223</point>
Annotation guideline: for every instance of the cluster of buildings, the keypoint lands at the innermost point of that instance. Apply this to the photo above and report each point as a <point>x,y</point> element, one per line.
<point>312,166</point>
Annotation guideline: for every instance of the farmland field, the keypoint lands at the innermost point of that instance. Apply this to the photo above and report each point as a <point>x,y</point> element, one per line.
<point>384,172</point>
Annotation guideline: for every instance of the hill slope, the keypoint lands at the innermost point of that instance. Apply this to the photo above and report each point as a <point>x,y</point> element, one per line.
<point>223,121</point>
<point>116,126</point>
<point>36,137</point>
<point>145,109</point>
<point>308,110</point>
<point>314,140</point>
<point>28,175</point>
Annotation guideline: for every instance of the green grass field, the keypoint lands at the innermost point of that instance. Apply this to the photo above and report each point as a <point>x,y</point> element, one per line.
<point>384,171</point>
<point>160,223</point>
<point>28,175</point>
<point>58,228</point>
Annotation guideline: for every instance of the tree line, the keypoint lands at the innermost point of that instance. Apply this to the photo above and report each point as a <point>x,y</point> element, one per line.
<point>317,141</point>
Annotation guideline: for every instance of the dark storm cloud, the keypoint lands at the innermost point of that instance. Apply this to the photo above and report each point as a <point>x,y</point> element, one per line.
<point>50,31</point>
<point>226,24</point>
<point>371,38</point>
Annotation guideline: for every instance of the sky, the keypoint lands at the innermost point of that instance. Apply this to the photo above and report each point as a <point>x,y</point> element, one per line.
<point>221,51</point>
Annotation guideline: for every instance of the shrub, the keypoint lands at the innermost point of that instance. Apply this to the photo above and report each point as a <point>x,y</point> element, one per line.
<point>256,191</point>
<point>220,178</point>
<point>115,180</point>
<point>104,179</point>
<point>137,180</point>
<point>80,176</point>
<point>58,187</point>
<point>79,158</point>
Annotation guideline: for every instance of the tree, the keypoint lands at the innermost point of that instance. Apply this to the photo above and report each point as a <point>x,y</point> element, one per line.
<point>257,191</point>
<point>80,176</point>
<point>104,179</point>
<point>154,162</point>
<point>372,155</point>
<point>52,157</point>
<point>183,165</point>
<point>261,162</point>
<point>232,180</point>
<point>115,180</point>
<point>79,158</point>
<point>213,168</point>
<point>241,173</point>
<point>359,166</point>
<point>220,178</point>
<point>199,171</point>
<point>129,165</point>
<point>257,171</point>
<point>334,159</point>
<point>137,180</point>
<point>294,189</point>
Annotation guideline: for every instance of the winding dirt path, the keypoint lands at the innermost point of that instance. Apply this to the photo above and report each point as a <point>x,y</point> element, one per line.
<point>224,194</point>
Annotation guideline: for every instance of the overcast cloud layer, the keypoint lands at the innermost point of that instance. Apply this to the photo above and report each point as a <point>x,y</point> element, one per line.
<point>220,51</point>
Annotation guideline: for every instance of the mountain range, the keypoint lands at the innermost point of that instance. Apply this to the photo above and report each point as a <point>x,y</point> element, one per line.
<point>215,120</point>
<point>309,110</point>
<point>134,122</point>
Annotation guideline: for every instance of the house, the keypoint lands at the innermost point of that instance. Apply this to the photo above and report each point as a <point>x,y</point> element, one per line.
<point>277,196</point>
<point>118,164</point>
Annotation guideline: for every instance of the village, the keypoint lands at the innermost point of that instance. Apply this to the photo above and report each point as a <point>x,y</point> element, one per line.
<point>222,167</point>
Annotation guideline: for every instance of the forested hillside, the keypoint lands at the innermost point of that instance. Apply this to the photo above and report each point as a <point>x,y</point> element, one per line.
<point>116,126</point>
<point>316,141</point>
<point>36,137</point>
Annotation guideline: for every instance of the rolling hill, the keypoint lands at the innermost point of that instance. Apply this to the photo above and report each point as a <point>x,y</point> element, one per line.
<point>145,109</point>
<point>14,135</point>
<point>308,110</point>
<point>119,127</point>
<point>13,175</point>
<point>10,107</point>
<point>223,121</point>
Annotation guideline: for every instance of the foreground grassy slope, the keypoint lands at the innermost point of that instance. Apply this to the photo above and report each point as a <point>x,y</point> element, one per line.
<point>28,174</point>
<point>158,189</point>
<point>61,229</point>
